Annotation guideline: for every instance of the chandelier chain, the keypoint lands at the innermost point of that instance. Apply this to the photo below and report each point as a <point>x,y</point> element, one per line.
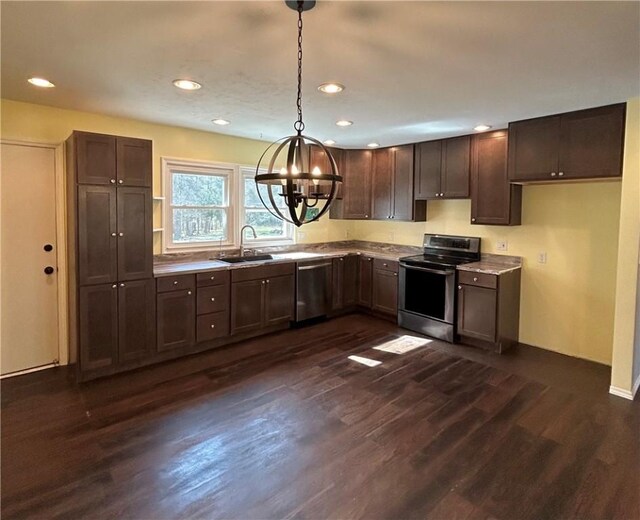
<point>299,125</point>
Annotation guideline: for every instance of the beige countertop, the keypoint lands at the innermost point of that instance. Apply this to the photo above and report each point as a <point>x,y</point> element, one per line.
<point>489,267</point>
<point>161,269</point>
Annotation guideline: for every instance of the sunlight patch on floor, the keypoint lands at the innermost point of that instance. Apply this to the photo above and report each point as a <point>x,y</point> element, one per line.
<point>365,361</point>
<point>403,344</point>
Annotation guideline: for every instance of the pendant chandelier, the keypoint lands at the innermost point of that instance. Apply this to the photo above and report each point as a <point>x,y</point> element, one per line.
<point>290,187</point>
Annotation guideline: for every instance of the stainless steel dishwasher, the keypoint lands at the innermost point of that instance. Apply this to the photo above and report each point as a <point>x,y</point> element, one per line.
<point>313,289</point>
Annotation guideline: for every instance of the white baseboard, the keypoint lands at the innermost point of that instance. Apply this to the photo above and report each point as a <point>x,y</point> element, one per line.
<point>636,385</point>
<point>621,392</point>
<point>28,371</point>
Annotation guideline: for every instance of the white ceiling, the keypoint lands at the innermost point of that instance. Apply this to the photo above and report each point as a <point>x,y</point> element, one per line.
<point>413,70</point>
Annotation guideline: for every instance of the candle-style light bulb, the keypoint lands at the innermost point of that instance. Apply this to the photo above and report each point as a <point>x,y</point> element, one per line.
<point>283,172</point>
<point>294,170</point>
<point>316,171</point>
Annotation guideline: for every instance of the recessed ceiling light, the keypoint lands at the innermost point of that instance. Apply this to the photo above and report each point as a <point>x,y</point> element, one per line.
<point>344,122</point>
<point>186,84</point>
<point>481,128</point>
<point>41,82</point>
<point>373,145</point>
<point>331,88</point>
<point>221,122</point>
<point>329,142</point>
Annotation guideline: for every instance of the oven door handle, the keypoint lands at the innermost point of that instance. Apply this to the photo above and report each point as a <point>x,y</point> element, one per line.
<point>435,271</point>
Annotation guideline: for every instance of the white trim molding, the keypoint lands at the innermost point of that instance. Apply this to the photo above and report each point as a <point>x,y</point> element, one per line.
<point>626,394</point>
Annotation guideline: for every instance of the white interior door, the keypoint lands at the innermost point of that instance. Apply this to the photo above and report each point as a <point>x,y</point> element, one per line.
<point>29,307</point>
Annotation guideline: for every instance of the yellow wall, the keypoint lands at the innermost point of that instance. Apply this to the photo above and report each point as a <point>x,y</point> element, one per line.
<point>24,121</point>
<point>567,304</point>
<point>622,376</point>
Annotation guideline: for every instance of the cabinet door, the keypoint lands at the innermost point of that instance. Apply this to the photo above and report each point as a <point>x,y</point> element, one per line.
<point>382,195</point>
<point>456,154</point>
<point>365,276</point>
<point>357,184</point>
<point>591,143</point>
<point>350,280</point>
<point>279,298</point>
<point>98,326</point>
<point>403,183</point>
<point>97,237</point>
<point>247,304</point>
<point>176,316</point>
<point>95,158</point>
<point>428,168</point>
<point>337,284</point>
<point>317,157</point>
<point>493,199</point>
<point>533,149</point>
<point>477,312</point>
<point>135,234</point>
<point>385,291</point>
<point>134,162</point>
<point>136,319</point>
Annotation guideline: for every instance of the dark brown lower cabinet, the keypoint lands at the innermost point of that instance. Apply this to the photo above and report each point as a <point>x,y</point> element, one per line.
<point>365,280</point>
<point>489,309</point>
<point>246,306</point>
<point>176,312</point>
<point>278,300</point>
<point>98,307</point>
<point>345,282</point>
<point>136,319</point>
<point>385,287</point>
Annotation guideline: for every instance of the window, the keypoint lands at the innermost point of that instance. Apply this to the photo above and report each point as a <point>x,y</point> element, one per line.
<point>269,229</point>
<point>197,205</point>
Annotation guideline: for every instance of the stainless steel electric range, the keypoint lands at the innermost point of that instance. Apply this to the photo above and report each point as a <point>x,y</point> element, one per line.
<point>427,295</point>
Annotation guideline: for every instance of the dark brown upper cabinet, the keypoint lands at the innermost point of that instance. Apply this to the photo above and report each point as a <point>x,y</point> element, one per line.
<point>97,244</point>
<point>134,162</point>
<point>135,234</point>
<point>393,184</point>
<point>494,200</point>
<point>107,159</point>
<point>586,144</point>
<point>356,189</point>
<point>442,169</point>
<point>317,157</point>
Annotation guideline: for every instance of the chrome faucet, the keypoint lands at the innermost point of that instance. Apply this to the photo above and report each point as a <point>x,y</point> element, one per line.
<point>242,237</point>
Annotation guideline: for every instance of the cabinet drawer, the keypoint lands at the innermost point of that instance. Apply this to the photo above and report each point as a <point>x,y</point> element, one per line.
<point>244,274</point>
<point>213,278</point>
<point>385,265</point>
<point>479,279</point>
<point>213,299</point>
<point>176,283</point>
<point>212,326</point>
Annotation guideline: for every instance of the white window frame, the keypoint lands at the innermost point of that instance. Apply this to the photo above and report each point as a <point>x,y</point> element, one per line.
<point>177,165</point>
<point>290,235</point>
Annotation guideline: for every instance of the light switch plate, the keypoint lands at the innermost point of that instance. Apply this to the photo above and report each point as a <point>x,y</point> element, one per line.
<point>542,257</point>
<point>501,245</point>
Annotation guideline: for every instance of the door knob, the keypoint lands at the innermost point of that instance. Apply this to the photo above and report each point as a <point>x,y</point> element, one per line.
<point>48,270</point>
<point>48,247</point>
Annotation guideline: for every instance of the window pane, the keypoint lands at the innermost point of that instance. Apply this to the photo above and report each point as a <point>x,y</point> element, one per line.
<point>265,224</point>
<point>251,199</point>
<point>199,225</point>
<point>191,189</point>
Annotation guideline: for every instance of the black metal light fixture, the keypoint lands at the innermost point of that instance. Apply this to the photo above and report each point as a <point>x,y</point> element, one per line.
<point>287,176</point>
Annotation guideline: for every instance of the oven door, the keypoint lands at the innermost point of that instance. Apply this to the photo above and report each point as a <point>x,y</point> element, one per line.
<point>427,292</point>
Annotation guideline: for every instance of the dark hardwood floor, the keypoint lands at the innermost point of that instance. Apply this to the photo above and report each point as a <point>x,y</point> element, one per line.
<point>287,426</point>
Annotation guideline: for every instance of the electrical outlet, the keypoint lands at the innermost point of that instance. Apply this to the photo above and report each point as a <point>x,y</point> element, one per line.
<point>542,257</point>
<point>501,245</point>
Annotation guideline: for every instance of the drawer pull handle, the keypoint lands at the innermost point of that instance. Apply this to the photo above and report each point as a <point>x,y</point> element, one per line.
<point>475,278</point>
<point>213,299</point>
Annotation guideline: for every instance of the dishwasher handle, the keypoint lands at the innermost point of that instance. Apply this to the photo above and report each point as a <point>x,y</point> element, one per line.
<point>314,266</point>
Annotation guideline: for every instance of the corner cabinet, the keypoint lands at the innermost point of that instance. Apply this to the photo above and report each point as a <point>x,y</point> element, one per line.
<point>110,252</point>
<point>586,144</point>
<point>494,201</point>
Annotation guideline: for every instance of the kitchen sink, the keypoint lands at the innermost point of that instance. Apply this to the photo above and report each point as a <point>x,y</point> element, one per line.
<point>239,259</point>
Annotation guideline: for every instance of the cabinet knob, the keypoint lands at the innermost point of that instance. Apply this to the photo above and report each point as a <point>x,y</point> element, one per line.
<point>121,234</point>
<point>213,299</point>
<point>386,265</point>
<point>49,270</point>
<point>553,174</point>
<point>475,278</point>
<point>442,194</point>
<point>366,216</point>
<point>213,278</point>
<point>114,286</point>
<point>368,259</point>
<point>342,259</point>
<point>112,181</point>
<point>473,220</point>
<point>459,287</point>
<point>395,274</point>
<point>267,281</point>
<point>189,293</point>
<point>113,234</point>
<point>213,326</point>
<point>121,285</point>
<point>262,282</point>
<point>120,181</point>
<point>437,194</point>
<point>560,174</point>
<point>175,283</point>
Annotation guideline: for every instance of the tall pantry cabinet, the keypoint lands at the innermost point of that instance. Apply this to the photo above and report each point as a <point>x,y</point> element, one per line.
<point>110,238</point>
